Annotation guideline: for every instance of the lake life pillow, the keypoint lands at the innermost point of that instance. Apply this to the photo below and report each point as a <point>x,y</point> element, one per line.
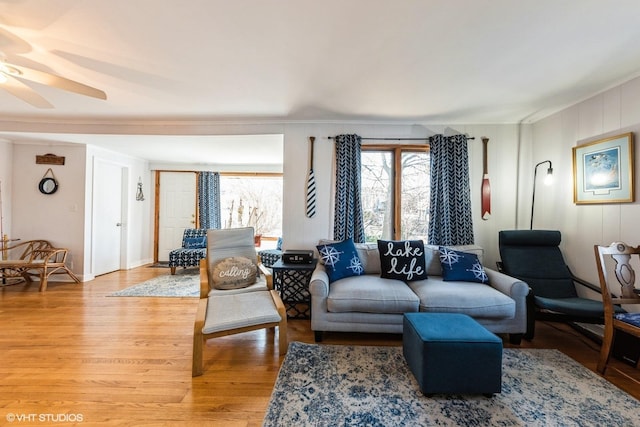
<point>340,260</point>
<point>234,273</point>
<point>462,266</point>
<point>402,259</point>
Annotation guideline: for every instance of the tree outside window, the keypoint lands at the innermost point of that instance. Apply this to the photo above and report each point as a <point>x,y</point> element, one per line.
<point>252,201</point>
<point>395,192</point>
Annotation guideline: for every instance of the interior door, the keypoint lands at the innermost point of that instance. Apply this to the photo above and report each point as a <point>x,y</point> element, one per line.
<point>107,216</point>
<point>176,209</point>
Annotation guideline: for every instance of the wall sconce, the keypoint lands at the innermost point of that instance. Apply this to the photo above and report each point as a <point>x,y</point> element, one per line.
<point>139,193</point>
<point>547,181</point>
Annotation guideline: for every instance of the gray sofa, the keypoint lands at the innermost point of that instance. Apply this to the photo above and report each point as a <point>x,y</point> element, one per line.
<point>369,303</point>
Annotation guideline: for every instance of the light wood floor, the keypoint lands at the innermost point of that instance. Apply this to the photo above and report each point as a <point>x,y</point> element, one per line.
<point>127,361</point>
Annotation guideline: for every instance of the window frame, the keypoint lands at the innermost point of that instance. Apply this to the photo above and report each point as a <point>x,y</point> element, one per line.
<point>396,151</point>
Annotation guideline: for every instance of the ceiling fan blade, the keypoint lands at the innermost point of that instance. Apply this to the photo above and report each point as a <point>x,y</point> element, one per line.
<point>56,81</point>
<point>25,93</point>
<point>12,44</point>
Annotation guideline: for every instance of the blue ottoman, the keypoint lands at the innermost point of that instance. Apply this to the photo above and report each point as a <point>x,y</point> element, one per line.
<point>451,353</point>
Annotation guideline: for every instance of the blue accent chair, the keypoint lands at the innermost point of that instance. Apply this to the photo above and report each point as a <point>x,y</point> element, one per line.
<point>194,248</point>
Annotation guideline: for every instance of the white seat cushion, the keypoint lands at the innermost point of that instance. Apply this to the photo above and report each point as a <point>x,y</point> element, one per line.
<point>474,299</point>
<point>226,312</point>
<point>371,294</point>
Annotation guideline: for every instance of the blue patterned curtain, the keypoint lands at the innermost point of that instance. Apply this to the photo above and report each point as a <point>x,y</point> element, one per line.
<point>209,199</point>
<point>450,220</point>
<point>348,221</point>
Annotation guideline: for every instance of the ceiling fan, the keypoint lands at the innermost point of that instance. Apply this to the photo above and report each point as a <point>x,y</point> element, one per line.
<point>12,76</point>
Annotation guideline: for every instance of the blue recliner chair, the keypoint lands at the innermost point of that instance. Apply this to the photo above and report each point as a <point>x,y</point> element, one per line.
<point>194,248</point>
<point>534,257</point>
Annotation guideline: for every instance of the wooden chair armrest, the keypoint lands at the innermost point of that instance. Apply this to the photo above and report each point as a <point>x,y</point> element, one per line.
<point>586,284</point>
<point>50,256</point>
<point>267,275</point>
<point>204,279</point>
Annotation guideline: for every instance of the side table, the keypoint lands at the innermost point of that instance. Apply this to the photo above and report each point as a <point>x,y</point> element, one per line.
<point>292,282</point>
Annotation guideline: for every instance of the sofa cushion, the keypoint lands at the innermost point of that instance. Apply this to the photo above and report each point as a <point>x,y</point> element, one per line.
<point>432,256</point>
<point>371,294</point>
<point>402,259</point>
<point>474,299</point>
<point>458,265</point>
<point>340,259</point>
<point>369,257</point>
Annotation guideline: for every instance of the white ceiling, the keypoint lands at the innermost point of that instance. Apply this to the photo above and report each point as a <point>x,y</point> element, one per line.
<point>433,61</point>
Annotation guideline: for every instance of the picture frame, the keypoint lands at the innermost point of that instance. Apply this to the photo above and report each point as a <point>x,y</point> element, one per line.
<point>603,171</point>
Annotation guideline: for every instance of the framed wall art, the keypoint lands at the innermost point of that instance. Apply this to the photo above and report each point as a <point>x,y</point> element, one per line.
<point>603,171</point>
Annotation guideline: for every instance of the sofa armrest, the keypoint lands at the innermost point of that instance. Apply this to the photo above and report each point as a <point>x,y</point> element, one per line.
<point>510,286</point>
<point>319,284</point>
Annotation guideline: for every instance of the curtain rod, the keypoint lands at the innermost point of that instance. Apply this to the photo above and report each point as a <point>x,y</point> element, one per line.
<point>395,139</point>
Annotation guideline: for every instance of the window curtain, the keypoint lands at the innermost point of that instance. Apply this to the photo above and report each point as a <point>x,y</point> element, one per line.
<point>450,221</point>
<point>209,199</point>
<point>348,221</point>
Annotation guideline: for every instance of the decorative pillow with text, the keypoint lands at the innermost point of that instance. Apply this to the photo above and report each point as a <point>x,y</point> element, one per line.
<point>195,242</point>
<point>402,259</point>
<point>234,273</point>
<point>340,260</point>
<point>461,266</point>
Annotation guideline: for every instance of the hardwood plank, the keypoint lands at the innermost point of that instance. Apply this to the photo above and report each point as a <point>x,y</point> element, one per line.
<point>127,361</point>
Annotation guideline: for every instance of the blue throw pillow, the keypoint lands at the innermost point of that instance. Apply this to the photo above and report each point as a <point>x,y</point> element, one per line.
<point>461,266</point>
<point>402,259</point>
<point>195,242</point>
<point>340,260</point>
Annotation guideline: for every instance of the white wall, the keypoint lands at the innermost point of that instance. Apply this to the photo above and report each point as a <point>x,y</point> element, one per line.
<point>613,112</point>
<point>6,180</point>
<point>138,224</point>
<point>58,217</point>
<point>65,217</point>
<point>299,232</point>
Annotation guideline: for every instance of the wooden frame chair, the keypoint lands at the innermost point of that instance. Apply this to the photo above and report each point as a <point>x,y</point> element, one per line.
<point>627,294</point>
<point>227,312</point>
<point>34,258</point>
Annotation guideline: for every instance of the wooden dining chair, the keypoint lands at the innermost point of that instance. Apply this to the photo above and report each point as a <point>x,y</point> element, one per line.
<point>617,258</point>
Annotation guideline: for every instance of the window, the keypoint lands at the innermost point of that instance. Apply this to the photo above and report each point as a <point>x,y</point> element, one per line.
<point>395,192</point>
<point>252,200</point>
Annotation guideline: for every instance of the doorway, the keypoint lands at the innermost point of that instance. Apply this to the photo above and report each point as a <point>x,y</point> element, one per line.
<point>176,209</point>
<point>108,181</point>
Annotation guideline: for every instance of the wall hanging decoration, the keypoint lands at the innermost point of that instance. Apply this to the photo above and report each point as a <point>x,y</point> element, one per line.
<point>139,193</point>
<point>50,159</point>
<point>486,185</point>
<point>603,171</point>
<point>311,184</point>
<point>48,184</point>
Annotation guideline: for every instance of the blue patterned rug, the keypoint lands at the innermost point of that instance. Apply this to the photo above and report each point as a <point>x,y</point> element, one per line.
<point>185,283</point>
<point>331,385</point>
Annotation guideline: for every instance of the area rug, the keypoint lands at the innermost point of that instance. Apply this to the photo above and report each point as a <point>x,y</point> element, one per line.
<point>185,283</point>
<point>330,385</point>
